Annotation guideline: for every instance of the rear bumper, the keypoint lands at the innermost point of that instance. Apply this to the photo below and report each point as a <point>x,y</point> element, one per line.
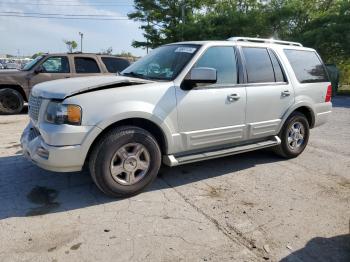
<point>55,158</point>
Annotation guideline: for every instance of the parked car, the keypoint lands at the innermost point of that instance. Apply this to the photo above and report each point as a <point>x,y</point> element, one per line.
<point>11,66</point>
<point>1,66</point>
<point>184,102</point>
<point>15,86</point>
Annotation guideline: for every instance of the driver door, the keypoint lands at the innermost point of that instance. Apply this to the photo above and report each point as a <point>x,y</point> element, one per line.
<point>54,67</point>
<point>212,115</point>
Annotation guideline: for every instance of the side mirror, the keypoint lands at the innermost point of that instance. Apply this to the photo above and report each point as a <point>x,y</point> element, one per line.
<point>202,75</point>
<point>39,69</point>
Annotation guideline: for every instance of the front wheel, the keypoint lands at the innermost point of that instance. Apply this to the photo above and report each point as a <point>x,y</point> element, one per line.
<point>294,136</point>
<point>11,101</point>
<point>125,161</point>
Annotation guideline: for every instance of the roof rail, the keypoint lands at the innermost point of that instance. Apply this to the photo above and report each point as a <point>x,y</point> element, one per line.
<point>263,40</point>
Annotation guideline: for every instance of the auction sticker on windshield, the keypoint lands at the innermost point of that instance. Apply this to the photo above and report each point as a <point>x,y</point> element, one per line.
<point>189,50</point>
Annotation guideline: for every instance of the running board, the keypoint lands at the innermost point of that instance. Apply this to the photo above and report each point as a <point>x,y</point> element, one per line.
<point>171,160</point>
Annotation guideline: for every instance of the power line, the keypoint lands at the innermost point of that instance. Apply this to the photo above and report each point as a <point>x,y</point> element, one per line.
<point>64,1</point>
<point>50,14</point>
<point>66,17</point>
<point>53,4</point>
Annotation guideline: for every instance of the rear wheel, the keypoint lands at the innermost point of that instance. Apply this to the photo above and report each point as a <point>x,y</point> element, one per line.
<point>294,136</point>
<point>11,101</point>
<point>125,161</point>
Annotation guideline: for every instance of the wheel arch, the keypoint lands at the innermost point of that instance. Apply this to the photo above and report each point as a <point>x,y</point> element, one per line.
<point>17,88</point>
<point>308,113</point>
<point>305,109</point>
<point>143,123</point>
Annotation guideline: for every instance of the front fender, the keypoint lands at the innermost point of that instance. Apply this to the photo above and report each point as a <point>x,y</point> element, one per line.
<point>142,110</point>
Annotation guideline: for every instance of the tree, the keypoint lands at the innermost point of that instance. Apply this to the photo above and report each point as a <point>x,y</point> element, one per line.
<point>71,45</point>
<point>107,51</point>
<point>163,21</point>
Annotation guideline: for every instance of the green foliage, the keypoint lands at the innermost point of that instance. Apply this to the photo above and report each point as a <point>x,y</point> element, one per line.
<point>320,24</point>
<point>107,51</point>
<point>71,45</point>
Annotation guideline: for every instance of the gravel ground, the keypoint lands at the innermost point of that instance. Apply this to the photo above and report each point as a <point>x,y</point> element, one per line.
<point>250,207</point>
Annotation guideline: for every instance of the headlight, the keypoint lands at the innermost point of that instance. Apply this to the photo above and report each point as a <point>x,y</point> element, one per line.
<point>57,113</point>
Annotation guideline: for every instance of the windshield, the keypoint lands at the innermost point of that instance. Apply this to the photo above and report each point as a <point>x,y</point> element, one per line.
<point>163,63</point>
<point>32,63</point>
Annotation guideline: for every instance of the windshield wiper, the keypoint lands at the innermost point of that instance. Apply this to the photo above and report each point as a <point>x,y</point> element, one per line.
<point>138,75</point>
<point>134,74</point>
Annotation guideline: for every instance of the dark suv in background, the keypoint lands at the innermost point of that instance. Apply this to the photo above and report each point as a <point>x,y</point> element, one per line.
<point>15,86</point>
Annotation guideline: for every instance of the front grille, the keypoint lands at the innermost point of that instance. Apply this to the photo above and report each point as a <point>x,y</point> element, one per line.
<point>34,107</point>
<point>33,133</point>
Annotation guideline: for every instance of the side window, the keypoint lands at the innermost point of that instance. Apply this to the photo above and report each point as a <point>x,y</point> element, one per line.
<point>223,59</point>
<point>86,65</point>
<point>279,76</point>
<point>258,64</point>
<point>115,65</point>
<point>307,66</point>
<point>56,64</point>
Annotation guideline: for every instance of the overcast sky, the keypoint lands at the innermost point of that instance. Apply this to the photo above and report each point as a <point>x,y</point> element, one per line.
<point>31,35</point>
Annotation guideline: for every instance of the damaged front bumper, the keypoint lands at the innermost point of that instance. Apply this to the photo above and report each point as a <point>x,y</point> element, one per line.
<point>54,158</point>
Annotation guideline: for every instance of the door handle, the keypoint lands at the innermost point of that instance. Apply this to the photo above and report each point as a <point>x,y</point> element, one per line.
<point>285,93</point>
<point>233,97</point>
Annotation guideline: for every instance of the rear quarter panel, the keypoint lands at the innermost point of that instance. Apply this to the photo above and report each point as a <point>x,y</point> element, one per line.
<point>310,95</point>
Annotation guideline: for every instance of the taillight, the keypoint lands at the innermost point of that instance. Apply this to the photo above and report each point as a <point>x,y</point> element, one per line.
<point>329,94</point>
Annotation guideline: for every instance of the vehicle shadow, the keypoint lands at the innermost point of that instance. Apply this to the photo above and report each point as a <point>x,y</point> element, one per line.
<point>336,249</point>
<point>26,190</point>
<point>24,110</point>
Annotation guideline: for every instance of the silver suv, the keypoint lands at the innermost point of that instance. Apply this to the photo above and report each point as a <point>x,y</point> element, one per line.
<point>182,103</point>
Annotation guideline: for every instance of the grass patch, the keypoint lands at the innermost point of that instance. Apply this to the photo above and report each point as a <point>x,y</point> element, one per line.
<point>344,90</point>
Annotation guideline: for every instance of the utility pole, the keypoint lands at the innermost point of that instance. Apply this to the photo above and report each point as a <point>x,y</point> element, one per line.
<point>182,19</point>
<point>81,41</point>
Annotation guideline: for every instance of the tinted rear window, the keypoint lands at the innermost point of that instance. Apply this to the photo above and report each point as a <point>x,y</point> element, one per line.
<point>307,67</point>
<point>115,65</point>
<point>258,63</point>
<point>86,65</point>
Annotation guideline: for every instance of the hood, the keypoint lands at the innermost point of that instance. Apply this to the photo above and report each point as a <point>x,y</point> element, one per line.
<point>12,72</point>
<point>12,77</point>
<point>63,88</point>
<point>2,71</point>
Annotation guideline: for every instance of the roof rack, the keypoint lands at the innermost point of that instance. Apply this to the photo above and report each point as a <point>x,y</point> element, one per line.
<point>263,40</point>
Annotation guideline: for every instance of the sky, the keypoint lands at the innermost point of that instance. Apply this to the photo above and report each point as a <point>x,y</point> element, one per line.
<point>27,35</point>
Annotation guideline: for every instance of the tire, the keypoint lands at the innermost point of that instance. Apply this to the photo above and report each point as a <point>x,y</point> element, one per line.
<point>117,151</point>
<point>11,101</point>
<point>293,145</point>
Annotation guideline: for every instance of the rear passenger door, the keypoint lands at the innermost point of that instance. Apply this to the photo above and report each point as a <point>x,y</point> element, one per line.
<point>86,66</point>
<point>269,94</point>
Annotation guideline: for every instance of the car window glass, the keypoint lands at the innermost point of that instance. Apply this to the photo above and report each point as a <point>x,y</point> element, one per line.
<point>279,76</point>
<point>223,59</point>
<point>115,65</point>
<point>307,66</point>
<point>57,64</point>
<point>86,65</point>
<point>163,63</point>
<point>258,64</point>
